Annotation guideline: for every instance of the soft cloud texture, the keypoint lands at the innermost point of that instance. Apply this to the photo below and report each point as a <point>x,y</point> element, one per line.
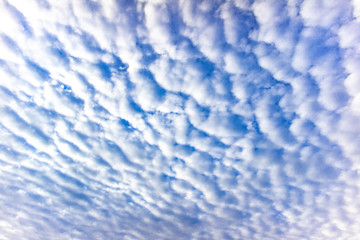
<point>179,119</point>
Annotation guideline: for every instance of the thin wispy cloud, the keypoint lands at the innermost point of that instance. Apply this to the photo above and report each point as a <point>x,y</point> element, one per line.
<point>179,119</point>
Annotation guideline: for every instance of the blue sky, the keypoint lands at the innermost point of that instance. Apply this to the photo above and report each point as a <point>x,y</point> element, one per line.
<point>179,119</point>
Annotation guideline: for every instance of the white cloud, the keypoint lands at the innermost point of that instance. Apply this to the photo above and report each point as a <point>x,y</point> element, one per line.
<point>179,119</point>
<point>327,14</point>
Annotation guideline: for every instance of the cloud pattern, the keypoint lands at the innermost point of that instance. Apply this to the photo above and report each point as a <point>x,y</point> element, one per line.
<point>179,119</point>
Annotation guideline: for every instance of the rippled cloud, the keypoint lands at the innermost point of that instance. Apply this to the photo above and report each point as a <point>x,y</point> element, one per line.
<point>179,119</point>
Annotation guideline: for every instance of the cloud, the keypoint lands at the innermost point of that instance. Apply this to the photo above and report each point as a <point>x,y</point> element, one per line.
<point>179,119</point>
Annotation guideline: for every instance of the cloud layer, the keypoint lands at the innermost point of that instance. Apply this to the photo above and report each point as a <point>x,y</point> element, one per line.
<point>179,119</point>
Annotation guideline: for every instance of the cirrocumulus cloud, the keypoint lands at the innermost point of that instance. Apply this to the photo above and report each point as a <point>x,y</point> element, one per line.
<point>179,119</point>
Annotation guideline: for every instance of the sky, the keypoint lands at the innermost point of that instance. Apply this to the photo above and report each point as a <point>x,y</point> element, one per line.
<point>180,119</point>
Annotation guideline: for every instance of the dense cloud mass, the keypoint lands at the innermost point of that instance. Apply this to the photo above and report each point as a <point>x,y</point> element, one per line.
<point>179,119</point>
